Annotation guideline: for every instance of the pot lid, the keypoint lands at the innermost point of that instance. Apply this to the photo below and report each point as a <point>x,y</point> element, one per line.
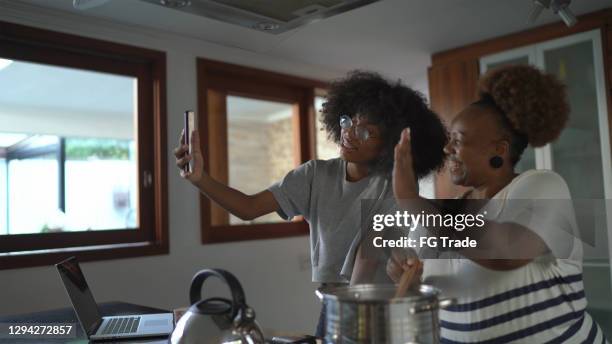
<point>378,293</point>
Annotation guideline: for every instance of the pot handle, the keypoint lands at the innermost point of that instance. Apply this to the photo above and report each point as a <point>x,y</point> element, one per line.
<point>442,303</point>
<point>238,298</point>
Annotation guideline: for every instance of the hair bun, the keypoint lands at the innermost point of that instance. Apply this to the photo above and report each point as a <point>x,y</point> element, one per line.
<point>534,102</point>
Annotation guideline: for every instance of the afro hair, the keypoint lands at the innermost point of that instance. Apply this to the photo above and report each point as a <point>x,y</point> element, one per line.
<point>535,103</point>
<point>393,107</point>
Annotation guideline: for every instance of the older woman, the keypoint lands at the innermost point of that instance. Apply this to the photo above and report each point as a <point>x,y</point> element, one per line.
<point>525,285</point>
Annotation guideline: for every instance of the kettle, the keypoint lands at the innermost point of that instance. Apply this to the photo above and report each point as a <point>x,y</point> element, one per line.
<point>217,320</point>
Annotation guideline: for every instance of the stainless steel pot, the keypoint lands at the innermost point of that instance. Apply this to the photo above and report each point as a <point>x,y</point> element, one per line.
<point>369,313</point>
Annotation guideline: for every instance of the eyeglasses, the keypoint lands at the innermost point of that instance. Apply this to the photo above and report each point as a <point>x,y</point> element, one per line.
<point>362,133</point>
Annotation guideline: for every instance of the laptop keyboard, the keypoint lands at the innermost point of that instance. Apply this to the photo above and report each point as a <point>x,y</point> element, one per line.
<point>121,325</point>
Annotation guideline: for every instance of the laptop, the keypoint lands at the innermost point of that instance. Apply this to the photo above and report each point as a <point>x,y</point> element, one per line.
<point>110,327</point>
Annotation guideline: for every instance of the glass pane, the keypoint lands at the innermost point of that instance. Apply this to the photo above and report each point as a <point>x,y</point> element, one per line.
<point>577,153</point>
<point>261,146</point>
<point>508,62</point>
<point>67,149</point>
<point>33,195</point>
<point>113,193</point>
<point>325,149</point>
<point>527,161</point>
<point>3,197</point>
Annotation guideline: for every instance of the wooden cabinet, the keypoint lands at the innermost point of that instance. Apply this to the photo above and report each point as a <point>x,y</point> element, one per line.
<point>452,87</point>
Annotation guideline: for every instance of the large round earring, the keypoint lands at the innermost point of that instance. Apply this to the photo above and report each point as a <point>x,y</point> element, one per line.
<point>496,161</point>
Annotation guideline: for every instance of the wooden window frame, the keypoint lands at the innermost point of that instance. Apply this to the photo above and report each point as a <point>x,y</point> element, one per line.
<point>216,80</point>
<point>29,44</point>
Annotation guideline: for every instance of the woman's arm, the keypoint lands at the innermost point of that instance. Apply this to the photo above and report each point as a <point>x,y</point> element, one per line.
<point>246,207</point>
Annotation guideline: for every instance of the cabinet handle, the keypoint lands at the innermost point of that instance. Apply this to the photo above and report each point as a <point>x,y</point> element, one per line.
<point>147,179</point>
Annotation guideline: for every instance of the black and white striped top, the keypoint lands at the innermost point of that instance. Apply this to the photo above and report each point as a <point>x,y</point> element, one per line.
<point>541,302</point>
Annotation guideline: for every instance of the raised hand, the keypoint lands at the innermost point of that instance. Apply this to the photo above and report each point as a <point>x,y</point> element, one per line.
<point>181,153</point>
<point>404,181</point>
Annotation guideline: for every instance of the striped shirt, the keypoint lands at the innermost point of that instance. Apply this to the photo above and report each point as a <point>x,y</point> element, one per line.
<point>541,302</point>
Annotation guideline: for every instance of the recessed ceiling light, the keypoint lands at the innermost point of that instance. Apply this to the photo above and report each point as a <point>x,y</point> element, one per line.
<point>5,63</point>
<point>87,4</point>
<point>266,26</point>
<point>175,3</point>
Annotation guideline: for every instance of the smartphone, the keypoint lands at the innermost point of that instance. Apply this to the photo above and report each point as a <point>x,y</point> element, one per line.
<point>189,127</point>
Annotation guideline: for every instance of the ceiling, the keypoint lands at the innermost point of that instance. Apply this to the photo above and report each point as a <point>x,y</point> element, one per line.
<point>395,37</point>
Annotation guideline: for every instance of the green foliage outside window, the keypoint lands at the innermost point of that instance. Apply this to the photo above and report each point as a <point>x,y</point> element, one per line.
<point>83,149</point>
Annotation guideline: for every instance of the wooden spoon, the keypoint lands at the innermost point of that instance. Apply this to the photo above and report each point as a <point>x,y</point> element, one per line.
<point>408,277</point>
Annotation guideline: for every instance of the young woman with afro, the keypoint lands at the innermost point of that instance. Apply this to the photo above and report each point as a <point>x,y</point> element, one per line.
<point>525,285</point>
<point>364,114</point>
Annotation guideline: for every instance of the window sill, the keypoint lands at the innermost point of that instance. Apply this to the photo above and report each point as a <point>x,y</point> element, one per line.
<point>14,260</point>
<point>232,233</point>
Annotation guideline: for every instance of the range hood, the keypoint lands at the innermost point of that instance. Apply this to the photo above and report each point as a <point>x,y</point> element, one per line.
<point>272,16</point>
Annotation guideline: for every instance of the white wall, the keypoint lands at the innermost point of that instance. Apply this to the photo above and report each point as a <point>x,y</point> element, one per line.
<point>280,291</point>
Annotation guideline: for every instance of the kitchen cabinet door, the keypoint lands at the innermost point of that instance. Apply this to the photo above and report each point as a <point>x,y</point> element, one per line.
<point>581,155</point>
<point>583,149</point>
<point>584,146</point>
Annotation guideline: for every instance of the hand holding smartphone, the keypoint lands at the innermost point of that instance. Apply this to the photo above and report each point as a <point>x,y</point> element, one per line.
<point>189,127</point>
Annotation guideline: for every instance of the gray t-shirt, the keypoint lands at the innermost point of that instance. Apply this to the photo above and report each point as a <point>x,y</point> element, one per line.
<point>319,191</point>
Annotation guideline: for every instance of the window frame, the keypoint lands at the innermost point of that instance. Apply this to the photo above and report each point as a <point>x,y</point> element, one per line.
<point>217,80</point>
<point>18,42</point>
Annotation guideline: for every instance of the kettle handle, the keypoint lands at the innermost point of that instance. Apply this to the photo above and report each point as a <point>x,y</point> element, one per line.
<point>195,291</point>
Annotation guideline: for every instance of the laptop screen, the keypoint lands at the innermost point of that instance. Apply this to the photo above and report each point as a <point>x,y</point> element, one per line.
<point>82,300</point>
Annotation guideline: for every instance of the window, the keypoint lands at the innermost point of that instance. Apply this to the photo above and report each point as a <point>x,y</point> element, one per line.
<point>325,148</point>
<point>261,147</point>
<point>82,161</point>
<point>256,126</point>
<point>47,186</point>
